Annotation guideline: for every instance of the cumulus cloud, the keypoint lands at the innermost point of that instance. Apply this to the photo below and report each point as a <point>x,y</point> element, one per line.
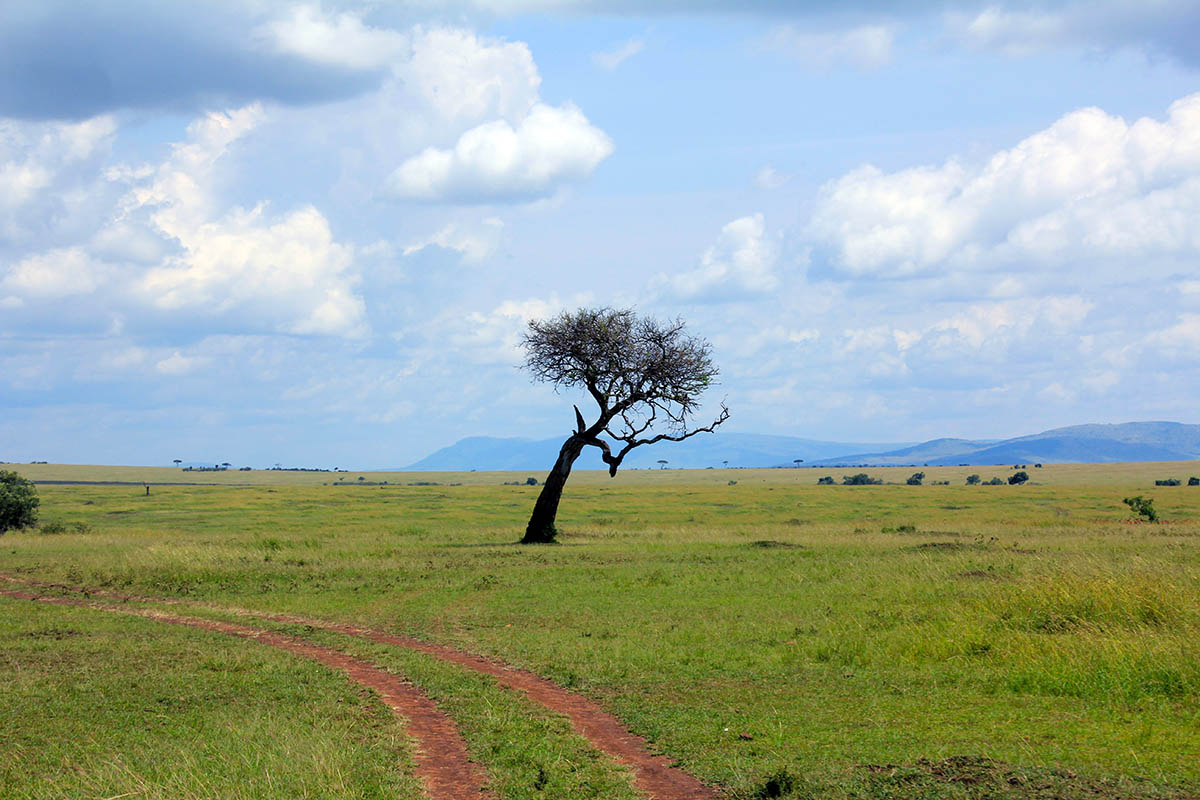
<point>498,162</point>
<point>740,264</point>
<point>168,243</point>
<point>57,273</point>
<point>286,272</point>
<point>1090,186</point>
<point>48,176</point>
<point>337,39</point>
<point>467,78</point>
<point>611,59</point>
<point>865,47</point>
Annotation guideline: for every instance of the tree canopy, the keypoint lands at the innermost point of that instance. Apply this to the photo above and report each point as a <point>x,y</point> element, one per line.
<point>645,375</point>
<point>640,371</point>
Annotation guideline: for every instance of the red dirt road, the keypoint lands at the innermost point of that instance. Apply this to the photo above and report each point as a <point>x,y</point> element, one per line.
<point>654,775</point>
<point>442,762</point>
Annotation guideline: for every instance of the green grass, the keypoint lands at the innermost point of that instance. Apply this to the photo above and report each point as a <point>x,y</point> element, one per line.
<point>99,705</point>
<point>841,629</point>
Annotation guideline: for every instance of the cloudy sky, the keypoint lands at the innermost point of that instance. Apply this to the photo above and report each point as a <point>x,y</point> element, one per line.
<point>311,234</point>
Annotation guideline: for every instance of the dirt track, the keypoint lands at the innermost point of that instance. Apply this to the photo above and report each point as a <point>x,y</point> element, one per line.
<point>654,776</point>
<point>441,756</point>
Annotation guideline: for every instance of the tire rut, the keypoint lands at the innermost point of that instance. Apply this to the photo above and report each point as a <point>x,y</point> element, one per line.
<point>442,761</point>
<point>655,776</point>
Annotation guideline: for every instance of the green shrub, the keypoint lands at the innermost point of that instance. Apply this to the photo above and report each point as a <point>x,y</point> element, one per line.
<point>826,481</point>
<point>915,479</point>
<point>994,482</point>
<point>1167,482</point>
<point>973,480</point>
<point>18,501</point>
<point>1193,481</point>
<point>1018,478</point>
<point>860,479</point>
<point>1143,507</point>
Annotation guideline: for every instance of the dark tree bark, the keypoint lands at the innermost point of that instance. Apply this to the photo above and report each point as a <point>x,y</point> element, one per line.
<point>540,529</point>
<point>639,371</point>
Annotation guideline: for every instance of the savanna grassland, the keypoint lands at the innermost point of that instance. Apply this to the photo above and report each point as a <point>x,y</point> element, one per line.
<point>774,637</point>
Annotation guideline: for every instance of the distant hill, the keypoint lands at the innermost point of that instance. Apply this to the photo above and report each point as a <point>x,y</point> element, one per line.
<point>1077,444</point>
<point>699,452</point>
<point>1085,444</point>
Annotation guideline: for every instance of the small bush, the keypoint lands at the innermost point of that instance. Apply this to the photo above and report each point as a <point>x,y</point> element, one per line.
<point>778,785</point>
<point>994,482</point>
<point>860,479</point>
<point>1018,478</point>
<point>18,501</point>
<point>531,481</point>
<point>1143,507</point>
<point>973,480</point>
<point>1193,481</point>
<point>1167,482</point>
<point>915,479</point>
<point>826,481</point>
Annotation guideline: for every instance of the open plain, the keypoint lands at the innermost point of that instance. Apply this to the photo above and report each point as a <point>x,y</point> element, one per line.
<point>764,635</point>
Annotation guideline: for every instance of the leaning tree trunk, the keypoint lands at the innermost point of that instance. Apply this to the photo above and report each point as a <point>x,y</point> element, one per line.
<point>540,529</point>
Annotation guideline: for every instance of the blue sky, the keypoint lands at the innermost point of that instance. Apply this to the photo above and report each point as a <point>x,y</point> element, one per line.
<point>312,234</point>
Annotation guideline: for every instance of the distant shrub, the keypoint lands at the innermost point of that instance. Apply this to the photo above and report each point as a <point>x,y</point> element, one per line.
<point>939,483</point>
<point>1037,466</point>
<point>733,483</point>
<point>1167,482</point>
<point>1018,478</point>
<point>860,479</point>
<point>18,501</point>
<point>828,481</point>
<point>973,480</point>
<point>531,481</point>
<point>915,479</point>
<point>994,482</point>
<point>1143,507</point>
<point>1193,481</point>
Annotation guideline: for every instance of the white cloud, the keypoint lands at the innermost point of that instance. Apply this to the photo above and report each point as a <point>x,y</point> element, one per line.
<point>43,167</point>
<point>611,59</point>
<point>768,178</point>
<point>1090,186</point>
<point>285,272</point>
<point>1163,26</point>
<point>995,324</point>
<point>466,78</point>
<point>865,47</point>
<point>341,40</point>
<point>1011,32</point>
<point>179,364</point>
<point>56,273</point>
<point>497,162</point>
<point>475,243</point>
<point>741,263</point>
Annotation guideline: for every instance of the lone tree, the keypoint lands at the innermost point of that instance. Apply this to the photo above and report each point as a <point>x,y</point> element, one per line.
<point>641,372</point>
<point>18,501</point>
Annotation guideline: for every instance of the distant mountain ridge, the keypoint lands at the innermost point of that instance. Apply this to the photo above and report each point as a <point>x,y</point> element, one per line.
<point>1092,443</point>
<point>1076,444</point>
